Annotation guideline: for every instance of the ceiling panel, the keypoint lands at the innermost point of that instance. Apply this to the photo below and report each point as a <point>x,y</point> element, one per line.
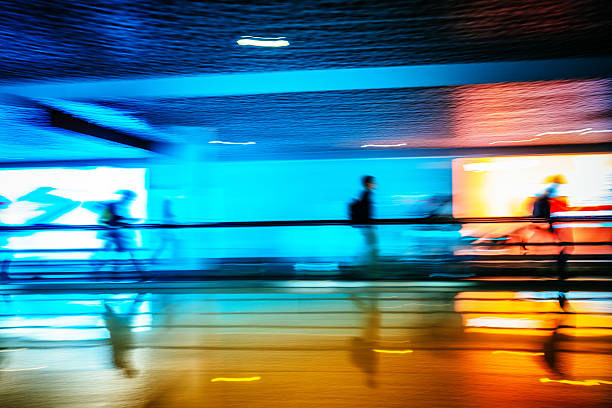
<point>119,39</point>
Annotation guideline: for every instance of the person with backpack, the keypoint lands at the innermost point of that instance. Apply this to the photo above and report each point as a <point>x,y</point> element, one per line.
<point>115,217</point>
<point>541,206</point>
<point>361,213</point>
<point>361,210</point>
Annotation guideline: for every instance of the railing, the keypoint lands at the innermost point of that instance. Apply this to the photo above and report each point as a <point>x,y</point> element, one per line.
<point>433,244</point>
<point>300,223</point>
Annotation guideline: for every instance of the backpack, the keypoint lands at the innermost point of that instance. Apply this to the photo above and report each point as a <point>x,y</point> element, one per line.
<point>541,208</point>
<point>105,215</point>
<point>356,211</point>
<point>109,215</point>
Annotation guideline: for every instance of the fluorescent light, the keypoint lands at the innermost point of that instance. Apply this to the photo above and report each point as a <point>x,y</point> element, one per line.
<point>384,145</point>
<point>263,41</point>
<point>231,143</point>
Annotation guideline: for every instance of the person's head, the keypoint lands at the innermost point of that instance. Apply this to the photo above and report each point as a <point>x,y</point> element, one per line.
<point>548,192</point>
<point>127,196</point>
<point>368,182</point>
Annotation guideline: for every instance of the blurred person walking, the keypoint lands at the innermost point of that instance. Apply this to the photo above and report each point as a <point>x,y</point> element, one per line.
<point>116,217</point>
<point>167,236</point>
<point>361,212</point>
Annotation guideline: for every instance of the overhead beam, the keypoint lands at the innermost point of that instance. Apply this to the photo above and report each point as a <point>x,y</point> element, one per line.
<point>319,80</point>
<point>69,122</point>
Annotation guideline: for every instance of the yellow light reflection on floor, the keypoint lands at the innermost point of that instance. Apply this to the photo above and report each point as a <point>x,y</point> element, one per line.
<point>574,382</point>
<point>503,322</point>
<point>393,351</point>
<point>12,370</point>
<point>235,379</point>
<point>520,353</point>
<point>533,314</point>
<point>12,350</point>
<point>521,332</point>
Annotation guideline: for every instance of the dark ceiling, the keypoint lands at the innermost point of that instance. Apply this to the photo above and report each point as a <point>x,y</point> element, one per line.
<point>118,39</point>
<point>46,41</point>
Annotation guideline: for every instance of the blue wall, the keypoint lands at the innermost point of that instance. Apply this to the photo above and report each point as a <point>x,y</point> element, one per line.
<point>320,189</point>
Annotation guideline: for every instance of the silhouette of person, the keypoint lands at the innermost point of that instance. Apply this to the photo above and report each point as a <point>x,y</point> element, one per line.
<point>544,205</point>
<point>362,347</point>
<point>116,217</point>
<point>167,236</point>
<point>364,218</point>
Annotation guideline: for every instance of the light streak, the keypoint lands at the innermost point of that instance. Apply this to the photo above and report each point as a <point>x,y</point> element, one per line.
<point>520,353</point>
<point>597,131</point>
<point>235,379</point>
<point>12,370</point>
<point>579,131</point>
<point>515,332</point>
<point>231,143</point>
<point>574,382</point>
<point>503,322</point>
<point>392,351</point>
<point>514,141</point>
<point>263,42</point>
<point>384,145</point>
<point>12,350</point>
<point>263,38</point>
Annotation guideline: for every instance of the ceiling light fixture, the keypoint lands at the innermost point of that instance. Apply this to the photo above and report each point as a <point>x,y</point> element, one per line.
<point>384,145</point>
<point>263,41</point>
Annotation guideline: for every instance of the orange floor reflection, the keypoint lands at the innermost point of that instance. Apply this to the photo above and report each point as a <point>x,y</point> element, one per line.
<point>534,313</point>
<point>574,382</point>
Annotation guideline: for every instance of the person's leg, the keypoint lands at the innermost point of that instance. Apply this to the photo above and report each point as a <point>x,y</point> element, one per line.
<point>371,240</point>
<point>119,249</point>
<point>562,235</point>
<point>523,235</point>
<point>137,266</point>
<point>125,245</point>
<point>100,261</point>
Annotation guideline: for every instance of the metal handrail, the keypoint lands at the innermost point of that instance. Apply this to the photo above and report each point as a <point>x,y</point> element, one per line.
<point>303,223</point>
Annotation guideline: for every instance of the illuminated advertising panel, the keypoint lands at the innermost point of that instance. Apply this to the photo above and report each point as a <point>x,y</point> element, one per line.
<point>576,184</point>
<point>506,186</point>
<point>63,196</point>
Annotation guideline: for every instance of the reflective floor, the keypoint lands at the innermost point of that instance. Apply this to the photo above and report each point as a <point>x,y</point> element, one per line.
<point>263,344</point>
